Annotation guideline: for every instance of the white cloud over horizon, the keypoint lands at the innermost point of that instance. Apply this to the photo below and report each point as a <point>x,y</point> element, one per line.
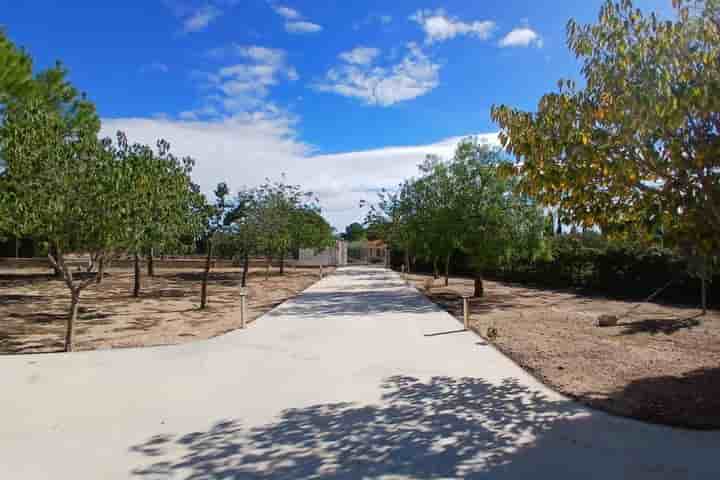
<point>245,149</point>
<point>439,26</point>
<point>521,37</point>
<point>415,75</point>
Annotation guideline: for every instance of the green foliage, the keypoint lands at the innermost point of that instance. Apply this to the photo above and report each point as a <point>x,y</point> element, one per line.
<point>613,267</point>
<point>464,204</point>
<point>16,71</point>
<point>354,232</point>
<point>157,202</point>
<point>275,220</point>
<point>637,149</point>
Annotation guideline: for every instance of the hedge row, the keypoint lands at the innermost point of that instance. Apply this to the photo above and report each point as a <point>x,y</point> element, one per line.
<point>594,265</point>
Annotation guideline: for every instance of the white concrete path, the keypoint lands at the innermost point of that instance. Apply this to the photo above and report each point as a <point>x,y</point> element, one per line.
<point>358,377</point>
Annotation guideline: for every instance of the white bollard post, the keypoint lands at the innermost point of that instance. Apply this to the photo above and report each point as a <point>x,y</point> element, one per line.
<point>243,307</point>
<point>466,312</point>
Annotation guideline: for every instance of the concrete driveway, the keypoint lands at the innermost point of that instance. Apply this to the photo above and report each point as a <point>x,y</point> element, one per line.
<point>358,377</point>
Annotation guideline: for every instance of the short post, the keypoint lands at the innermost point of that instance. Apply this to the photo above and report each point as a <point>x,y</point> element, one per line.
<point>466,312</point>
<point>321,272</point>
<point>243,307</point>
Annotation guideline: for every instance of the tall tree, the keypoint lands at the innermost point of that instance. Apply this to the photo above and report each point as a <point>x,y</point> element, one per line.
<point>214,225</point>
<point>58,184</point>
<point>637,149</point>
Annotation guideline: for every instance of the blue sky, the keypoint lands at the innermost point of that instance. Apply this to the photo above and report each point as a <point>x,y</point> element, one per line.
<point>343,96</point>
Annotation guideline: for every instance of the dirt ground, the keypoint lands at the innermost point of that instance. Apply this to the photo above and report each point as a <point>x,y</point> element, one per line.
<point>33,307</point>
<point>660,364</point>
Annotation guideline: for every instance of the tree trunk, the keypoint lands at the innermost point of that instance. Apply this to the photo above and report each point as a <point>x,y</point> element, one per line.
<point>70,324</point>
<point>479,288</point>
<point>101,270</point>
<point>246,267</point>
<point>407,261</point>
<point>282,264</point>
<point>206,276</point>
<point>136,286</point>
<point>52,251</point>
<point>703,293</point>
<point>267,268</point>
<point>447,269</point>
<point>435,268</point>
<point>151,264</point>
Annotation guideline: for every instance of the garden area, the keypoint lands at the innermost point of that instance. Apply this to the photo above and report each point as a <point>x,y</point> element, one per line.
<point>661,363</point>
<point>33,306</point>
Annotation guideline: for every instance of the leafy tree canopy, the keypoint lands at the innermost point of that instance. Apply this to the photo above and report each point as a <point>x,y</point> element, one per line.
<point>637,149</point>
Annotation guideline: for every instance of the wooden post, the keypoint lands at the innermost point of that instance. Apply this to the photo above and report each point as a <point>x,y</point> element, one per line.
<point>243,307</point>
<point>466,312</point>
<point>321,272</point>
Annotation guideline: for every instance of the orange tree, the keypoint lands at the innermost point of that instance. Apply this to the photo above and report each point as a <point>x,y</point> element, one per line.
<point>636,150</point>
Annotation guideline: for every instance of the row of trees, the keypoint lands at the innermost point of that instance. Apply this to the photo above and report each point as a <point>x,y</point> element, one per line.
<point>633,154</point>
<point>465,204</point>
<point>63,185</point>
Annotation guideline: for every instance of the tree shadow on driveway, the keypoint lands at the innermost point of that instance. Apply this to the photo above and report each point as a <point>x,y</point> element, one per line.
<point>441,428</point>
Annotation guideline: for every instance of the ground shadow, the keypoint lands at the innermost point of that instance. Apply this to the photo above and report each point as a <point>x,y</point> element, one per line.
<point>436,429</point>
<point>653,326</point>
<point>353,303</point>
<point>690,400</point>
<point>433,429</point>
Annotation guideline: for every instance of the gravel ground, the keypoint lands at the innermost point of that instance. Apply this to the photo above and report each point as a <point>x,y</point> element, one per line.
<point>660,364</point>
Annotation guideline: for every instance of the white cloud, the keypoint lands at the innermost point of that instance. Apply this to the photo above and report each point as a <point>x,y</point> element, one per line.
<point>302,27</point>
<point>438,26</point>
<point>287,12</point>
<point>245,86</point>
<point>201,18</point>
<point>360,55</point>
<point>521,37</point>
<point>414,76</point>
<point>295,21</point>
<point>247,148</point>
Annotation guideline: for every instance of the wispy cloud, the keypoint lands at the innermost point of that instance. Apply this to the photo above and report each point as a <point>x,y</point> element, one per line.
<point>302,27</point>
<point>295,22</point>
<point>415,75</point>
<point>286,12</point>
<point>360,55</point>
<point>243,86</point>
<point>439,27</point>
<point>521,37</point>
<point>201,18</point>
